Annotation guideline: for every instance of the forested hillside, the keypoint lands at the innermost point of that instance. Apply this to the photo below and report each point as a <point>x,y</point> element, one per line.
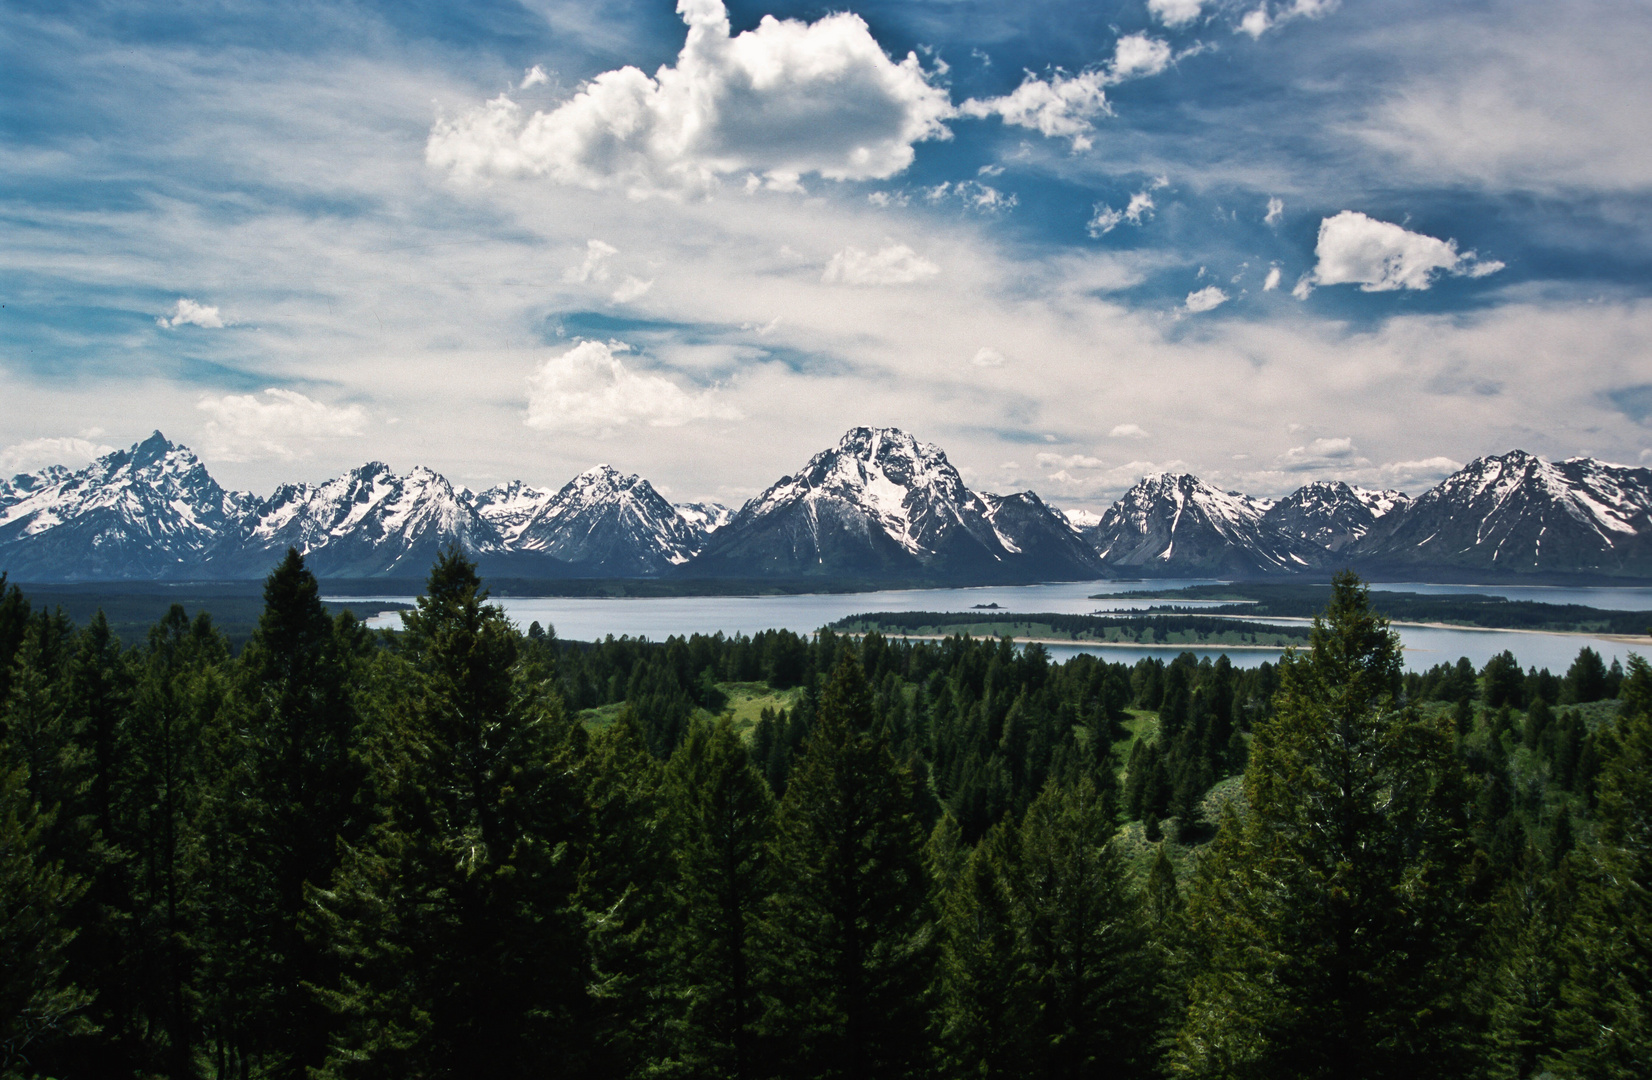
<point>462,850</point>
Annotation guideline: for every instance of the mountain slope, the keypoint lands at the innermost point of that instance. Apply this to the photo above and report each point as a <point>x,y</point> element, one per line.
<point>148,512</point>
<point>370,522</point>
<point>1519,514</point>
<point>881,503</point>
<point>1332,515</point>
<point>602,523</point>
<point>1177,525</point>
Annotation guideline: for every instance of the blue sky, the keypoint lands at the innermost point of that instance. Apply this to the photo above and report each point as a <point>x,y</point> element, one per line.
<point>1267,241</point>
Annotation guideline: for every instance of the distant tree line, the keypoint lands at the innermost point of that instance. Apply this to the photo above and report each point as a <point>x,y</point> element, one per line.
<point>341,853</point>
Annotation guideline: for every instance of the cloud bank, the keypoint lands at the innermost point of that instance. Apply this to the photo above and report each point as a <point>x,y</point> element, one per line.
<point>280,424</point>
<point>893,264</point>
<point>589,390</point>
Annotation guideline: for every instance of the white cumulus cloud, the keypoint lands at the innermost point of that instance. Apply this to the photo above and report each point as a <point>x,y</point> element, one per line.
<point>1127,431</point>
<point>784,99</point>
<point>188,311</point>
<point>1379,256</point>
<point>1137,56</point>
<point>276,424</point>
<point>1062,106</point>
<point>1271,282</point>
<point>893,264</point>
<point>32,454</point>
<point>1211,296</point>
<point>1105,219</point>
<point>1265,18</point>
<point>590,390</point>
<point>988,357</point>
<point>1174,12</point>
<point>534,76</point>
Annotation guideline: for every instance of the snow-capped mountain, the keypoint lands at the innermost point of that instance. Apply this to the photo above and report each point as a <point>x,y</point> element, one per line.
<point>602,523</point>
<point>879,504</point>
<point>882,503</point>
<point>151,511</point>
<point>707,517</point>
<point>1518,513</point>
<point>1332,514</point>
<point>1174,524</point>
<point>370,522</point>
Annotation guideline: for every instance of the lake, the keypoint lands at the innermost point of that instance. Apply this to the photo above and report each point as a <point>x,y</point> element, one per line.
<point>656,618</point>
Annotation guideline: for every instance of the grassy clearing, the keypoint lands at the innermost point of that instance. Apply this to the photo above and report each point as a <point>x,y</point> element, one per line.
<point>746,701</point>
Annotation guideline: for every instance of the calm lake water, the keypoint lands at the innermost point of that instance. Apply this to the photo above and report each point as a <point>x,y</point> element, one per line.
<point>656,618</point>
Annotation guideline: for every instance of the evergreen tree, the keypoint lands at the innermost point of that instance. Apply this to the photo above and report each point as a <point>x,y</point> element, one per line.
<point>850,934</point>
<point>1334,913</point>
<point>303,779</point>
<point>459,954</point>
<point>1092,975</point>
<point>623,898</point>
<point>721,826</point>
<point>1609,984</point>
<point>39,1006</point>
<point>988,1014</point>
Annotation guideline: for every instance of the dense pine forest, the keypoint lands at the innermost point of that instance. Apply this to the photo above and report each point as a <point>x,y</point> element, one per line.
<point>461,850</point>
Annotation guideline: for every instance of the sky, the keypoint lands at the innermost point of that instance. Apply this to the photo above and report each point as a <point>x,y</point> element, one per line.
<point>1267,241</point>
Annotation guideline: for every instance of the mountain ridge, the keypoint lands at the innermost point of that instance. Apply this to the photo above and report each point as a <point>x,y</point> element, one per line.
<point>880,505</point>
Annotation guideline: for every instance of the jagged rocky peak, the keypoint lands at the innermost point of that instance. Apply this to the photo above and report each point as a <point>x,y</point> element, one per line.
<point>907,486</point>
<point>1159,491</point>
<point>881,502</point>
<point>605,522</point>
<point>1172,523</point>
<point>1333,514</point>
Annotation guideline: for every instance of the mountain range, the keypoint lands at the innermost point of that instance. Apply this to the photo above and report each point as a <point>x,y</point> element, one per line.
<point>879,506</point>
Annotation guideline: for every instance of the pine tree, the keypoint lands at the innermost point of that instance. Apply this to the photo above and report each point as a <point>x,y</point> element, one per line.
<point>458,953</point>
<point>1335,914</point>
<point>1524,968</point>
<point>1608,990</point>
<point>622,896</point>
<point>988,1014</point>
<point>722,821</point>
<point>850,939</point>
<point>302,779</point>
<point>1092,973</point>
<point>39,1006</point>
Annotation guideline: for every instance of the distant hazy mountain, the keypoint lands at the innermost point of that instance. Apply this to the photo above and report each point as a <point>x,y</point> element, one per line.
<point>881,503</point>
